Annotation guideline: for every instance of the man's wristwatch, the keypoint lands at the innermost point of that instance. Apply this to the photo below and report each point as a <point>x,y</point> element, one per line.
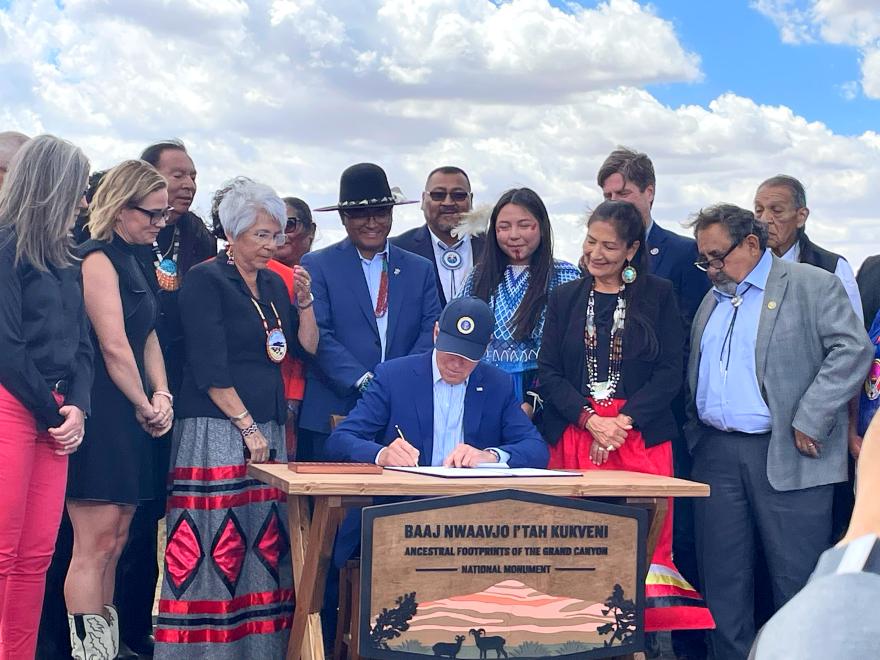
<point>496,454</point>
<point>308,304</point>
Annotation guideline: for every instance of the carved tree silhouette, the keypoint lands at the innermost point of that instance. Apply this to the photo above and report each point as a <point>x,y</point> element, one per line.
<point>390,623</point>
<point>624,611</point>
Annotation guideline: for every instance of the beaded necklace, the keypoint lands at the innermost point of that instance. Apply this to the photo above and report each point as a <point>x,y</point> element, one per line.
<point>602,392</point>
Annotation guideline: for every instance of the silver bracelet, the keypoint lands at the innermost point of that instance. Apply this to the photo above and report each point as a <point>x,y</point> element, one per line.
<point>167,395</point>
<point>240,416</point>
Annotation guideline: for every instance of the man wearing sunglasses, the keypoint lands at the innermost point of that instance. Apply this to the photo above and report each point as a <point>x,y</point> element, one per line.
<point>446,197</point>
<point>777,352</point>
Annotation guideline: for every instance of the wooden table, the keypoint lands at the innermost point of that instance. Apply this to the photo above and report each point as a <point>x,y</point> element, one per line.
<point>312,529</point>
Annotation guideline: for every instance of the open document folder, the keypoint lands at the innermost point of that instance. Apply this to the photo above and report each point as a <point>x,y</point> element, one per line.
<point>484,470</point>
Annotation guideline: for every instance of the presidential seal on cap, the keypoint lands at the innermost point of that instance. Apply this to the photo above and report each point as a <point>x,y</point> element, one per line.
<point>466,326</point>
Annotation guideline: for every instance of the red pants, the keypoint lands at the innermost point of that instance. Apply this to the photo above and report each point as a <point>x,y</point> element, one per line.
<point>32,484</point>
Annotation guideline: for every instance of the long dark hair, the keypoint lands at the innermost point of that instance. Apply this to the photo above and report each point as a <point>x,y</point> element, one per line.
<point>629,227</point>
<point>491,265</point>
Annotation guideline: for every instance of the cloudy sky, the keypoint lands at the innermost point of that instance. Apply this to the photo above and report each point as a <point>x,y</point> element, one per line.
<point>518,92</point>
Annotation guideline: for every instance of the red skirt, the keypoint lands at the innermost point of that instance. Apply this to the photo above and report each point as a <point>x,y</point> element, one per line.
<point>671,603</point>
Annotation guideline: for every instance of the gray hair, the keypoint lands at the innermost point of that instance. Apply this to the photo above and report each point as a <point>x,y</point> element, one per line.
<point>739,222</point>
<point>242,200</point>
<point>10,142</point>
<point>39,199</point>
<point>795,187</point>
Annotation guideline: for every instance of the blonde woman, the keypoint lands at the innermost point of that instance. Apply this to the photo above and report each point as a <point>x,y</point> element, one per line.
<point>45,372</point>
<point>114,470</point>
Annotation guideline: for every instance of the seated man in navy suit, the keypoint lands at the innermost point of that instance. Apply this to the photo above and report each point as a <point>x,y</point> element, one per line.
<point>373,302</point>
<point>450,408</point>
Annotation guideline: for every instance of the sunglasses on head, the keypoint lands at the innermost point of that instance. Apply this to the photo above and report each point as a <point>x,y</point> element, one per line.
<point>456,195</point>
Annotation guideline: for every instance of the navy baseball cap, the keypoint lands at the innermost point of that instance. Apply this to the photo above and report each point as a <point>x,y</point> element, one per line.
<point>466,326</point>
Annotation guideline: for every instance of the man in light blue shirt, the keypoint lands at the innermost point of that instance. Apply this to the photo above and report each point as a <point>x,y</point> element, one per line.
<point>780,353</point>
<point>445,407</point>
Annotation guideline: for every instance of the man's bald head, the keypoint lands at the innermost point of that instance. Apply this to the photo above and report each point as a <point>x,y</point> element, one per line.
<point>10,142</point>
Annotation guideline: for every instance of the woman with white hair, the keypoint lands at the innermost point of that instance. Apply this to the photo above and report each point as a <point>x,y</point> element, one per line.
<point>45,372</point>
<point>227,590</point>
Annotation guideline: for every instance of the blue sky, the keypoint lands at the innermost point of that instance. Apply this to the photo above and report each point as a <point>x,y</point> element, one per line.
<point>516,92</point>
<point>741,51</point>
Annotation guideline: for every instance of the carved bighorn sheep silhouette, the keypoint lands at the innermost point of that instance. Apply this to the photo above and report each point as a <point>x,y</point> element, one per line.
<point>486,644</point>
<point>447,648</point>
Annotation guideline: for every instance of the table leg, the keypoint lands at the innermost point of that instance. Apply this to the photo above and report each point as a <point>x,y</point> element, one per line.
<point>311,546</point>
<point>658,508</point>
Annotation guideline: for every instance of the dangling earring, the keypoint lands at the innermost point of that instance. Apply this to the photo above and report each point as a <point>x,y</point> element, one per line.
<point>629,274</point>
<point>230,258</point>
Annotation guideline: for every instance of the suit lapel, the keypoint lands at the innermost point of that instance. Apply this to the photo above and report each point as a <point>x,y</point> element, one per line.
<point>777,283</point>
<point>656,242</point>
<point>396,283</point>
<point>474,398</point>
<point>350,266</point>
<point>425,247</point>
<point>424,400</point>
<point>699,326</point>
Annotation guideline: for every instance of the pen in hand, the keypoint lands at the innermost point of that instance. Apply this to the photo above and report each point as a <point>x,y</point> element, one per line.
<point>399,453</point>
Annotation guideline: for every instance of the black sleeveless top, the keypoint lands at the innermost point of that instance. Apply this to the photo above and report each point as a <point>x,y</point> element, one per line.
<point>115,462</point>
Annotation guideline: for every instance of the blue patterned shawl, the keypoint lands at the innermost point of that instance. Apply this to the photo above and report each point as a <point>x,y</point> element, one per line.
<point>504,352</point>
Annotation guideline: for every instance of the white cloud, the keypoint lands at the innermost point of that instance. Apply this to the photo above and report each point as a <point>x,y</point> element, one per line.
<point>793,20</point>
<point>518,93</point>
<point>847,22</point>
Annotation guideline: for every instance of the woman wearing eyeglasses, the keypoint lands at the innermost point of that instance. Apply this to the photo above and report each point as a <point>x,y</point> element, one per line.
<point>610,366</point>
<point>113,471</point>
<point>299,233</point>
<point>225,554</point>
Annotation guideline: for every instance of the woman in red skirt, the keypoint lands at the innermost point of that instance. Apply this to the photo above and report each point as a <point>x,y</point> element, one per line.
<point>610,366</point>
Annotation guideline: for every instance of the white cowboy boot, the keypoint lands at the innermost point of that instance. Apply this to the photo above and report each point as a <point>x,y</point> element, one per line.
<point>113,620</point>
<point>90,637</point>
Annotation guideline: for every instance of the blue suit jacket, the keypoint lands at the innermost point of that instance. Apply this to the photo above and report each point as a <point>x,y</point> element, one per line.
<point>349,338</point>
<point>403,394</point>
<point>674,261</point>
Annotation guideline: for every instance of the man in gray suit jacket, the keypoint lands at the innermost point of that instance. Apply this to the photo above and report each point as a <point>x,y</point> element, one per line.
<point>777,352</point>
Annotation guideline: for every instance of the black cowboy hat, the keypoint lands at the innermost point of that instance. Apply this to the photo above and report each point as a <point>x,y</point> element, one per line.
<point>364,186</point>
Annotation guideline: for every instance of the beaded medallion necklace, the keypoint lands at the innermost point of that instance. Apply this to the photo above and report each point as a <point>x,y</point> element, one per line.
<point>602,392</point>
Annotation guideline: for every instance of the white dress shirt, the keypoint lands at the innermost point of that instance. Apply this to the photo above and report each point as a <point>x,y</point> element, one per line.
<point>844,273</point>
<point>373,276</point>
<point>452,281</point>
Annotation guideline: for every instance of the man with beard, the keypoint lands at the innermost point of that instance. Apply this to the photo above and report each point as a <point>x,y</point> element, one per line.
<point>446,197</point>
<point>767,428</point>
<point>184,242</point>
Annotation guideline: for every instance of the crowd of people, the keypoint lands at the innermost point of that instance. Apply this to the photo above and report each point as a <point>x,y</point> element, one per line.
<point>147,356</point>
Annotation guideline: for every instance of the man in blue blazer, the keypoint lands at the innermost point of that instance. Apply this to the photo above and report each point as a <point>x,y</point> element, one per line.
<point>446,198</point>
<point>444,407</point>
<point>628,175</point>
<point>373,302</point>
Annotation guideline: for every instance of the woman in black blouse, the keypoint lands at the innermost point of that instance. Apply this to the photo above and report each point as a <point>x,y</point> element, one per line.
<point>239,324</point>
<point>610,366</point>
<point>45,372</point>
<point>131,403</point>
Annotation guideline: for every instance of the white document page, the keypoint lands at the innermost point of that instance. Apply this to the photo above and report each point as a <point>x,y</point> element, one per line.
<point>483,472</point>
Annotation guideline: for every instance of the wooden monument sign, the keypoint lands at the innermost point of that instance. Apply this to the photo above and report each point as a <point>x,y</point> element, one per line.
<point>502,574</point>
